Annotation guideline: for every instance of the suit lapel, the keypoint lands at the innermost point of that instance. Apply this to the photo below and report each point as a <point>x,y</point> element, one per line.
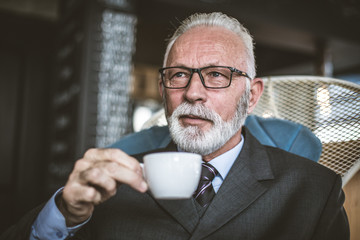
<point>183,211</point>
<point>240,189</point>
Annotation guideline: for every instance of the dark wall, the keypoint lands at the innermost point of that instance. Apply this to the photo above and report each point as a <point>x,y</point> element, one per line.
<point>25,65</point>
<point>287,33</point>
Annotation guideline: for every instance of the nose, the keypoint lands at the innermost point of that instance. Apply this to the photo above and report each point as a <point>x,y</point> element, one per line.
<point>195,91</point>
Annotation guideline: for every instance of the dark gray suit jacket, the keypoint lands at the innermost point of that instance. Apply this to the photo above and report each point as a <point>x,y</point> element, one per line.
<point>268,194</point>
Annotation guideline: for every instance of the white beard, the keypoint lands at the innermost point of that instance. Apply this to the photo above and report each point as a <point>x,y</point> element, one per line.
<point>193,139</point>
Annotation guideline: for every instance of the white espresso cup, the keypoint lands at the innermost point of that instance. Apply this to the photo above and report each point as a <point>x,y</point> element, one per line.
<point>172,175</point>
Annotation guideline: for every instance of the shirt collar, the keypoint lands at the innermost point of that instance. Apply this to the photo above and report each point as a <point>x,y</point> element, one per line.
<point>224,162</point>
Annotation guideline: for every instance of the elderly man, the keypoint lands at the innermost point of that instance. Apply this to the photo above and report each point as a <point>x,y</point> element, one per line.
<point>208,85</point>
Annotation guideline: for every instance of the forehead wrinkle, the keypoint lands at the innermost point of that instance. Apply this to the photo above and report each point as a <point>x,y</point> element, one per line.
<point>190,55</point>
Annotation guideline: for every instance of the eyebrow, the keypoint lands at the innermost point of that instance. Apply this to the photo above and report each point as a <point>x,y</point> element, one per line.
<point>208,65</point>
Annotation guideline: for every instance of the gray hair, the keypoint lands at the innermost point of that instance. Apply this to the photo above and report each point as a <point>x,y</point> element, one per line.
<point>220,20</point>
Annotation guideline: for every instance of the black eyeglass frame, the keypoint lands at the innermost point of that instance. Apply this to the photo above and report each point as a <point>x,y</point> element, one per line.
<point>198,70</point>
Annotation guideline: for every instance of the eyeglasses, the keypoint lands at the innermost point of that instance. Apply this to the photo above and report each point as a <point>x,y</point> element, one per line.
<point>211,77</point>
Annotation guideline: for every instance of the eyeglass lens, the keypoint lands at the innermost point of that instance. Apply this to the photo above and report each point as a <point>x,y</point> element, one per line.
<point>214,77</point>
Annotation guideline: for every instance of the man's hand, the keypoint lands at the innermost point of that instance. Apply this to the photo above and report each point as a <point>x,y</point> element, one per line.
<point>95,179</point>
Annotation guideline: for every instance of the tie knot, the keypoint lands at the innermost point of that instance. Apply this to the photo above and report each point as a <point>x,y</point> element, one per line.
<point>208,172</point>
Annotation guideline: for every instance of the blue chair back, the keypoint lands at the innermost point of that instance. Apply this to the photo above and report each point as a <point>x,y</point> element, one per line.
<point>289,136</point>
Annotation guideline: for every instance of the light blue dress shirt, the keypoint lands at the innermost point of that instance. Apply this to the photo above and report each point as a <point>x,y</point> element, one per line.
<point>223,164</point>
<point>50,223</point>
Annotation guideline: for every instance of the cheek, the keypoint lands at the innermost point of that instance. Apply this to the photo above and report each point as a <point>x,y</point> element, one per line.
<point>172,101</point>
<point>225,107</point>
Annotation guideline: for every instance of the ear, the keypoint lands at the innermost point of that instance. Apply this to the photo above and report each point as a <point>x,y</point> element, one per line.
<point>256,90</point>
<point>161,89</point>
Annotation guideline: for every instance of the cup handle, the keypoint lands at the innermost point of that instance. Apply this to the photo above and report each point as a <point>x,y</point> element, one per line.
<point>143,170</point>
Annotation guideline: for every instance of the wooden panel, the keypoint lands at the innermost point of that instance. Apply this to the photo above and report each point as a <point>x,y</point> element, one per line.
<point>25,58</point>
<point>9,86</point>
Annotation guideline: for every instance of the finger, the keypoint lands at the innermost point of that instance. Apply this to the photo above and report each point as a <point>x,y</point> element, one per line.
<point>113,154</point>
<point>79,193</point>
<point>124,175</point>
<point>101,180</point>
<point>105,175</point>
<point>82,164</point>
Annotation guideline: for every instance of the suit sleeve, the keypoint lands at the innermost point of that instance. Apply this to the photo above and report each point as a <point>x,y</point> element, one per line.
<point>21,230</point>
<point>333,223</point>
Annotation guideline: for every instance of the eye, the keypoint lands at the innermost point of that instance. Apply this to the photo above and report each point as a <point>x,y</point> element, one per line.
<point>179,74</point>
<point>214,74</point>
<point>217,74</point>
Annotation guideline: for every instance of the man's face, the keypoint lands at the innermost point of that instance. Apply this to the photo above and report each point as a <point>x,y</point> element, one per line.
<point>201,47</point>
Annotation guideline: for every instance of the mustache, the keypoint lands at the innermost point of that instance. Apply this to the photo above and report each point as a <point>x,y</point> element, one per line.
<point>197,110</point>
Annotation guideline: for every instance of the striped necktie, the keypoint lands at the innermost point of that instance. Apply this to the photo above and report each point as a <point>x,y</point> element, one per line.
<point>205,191</point>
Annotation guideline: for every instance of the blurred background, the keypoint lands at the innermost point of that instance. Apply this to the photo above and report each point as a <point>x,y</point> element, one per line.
<point>76,74</point>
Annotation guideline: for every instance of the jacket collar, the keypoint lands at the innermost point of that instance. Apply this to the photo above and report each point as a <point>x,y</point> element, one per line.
<point>242,186</point>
